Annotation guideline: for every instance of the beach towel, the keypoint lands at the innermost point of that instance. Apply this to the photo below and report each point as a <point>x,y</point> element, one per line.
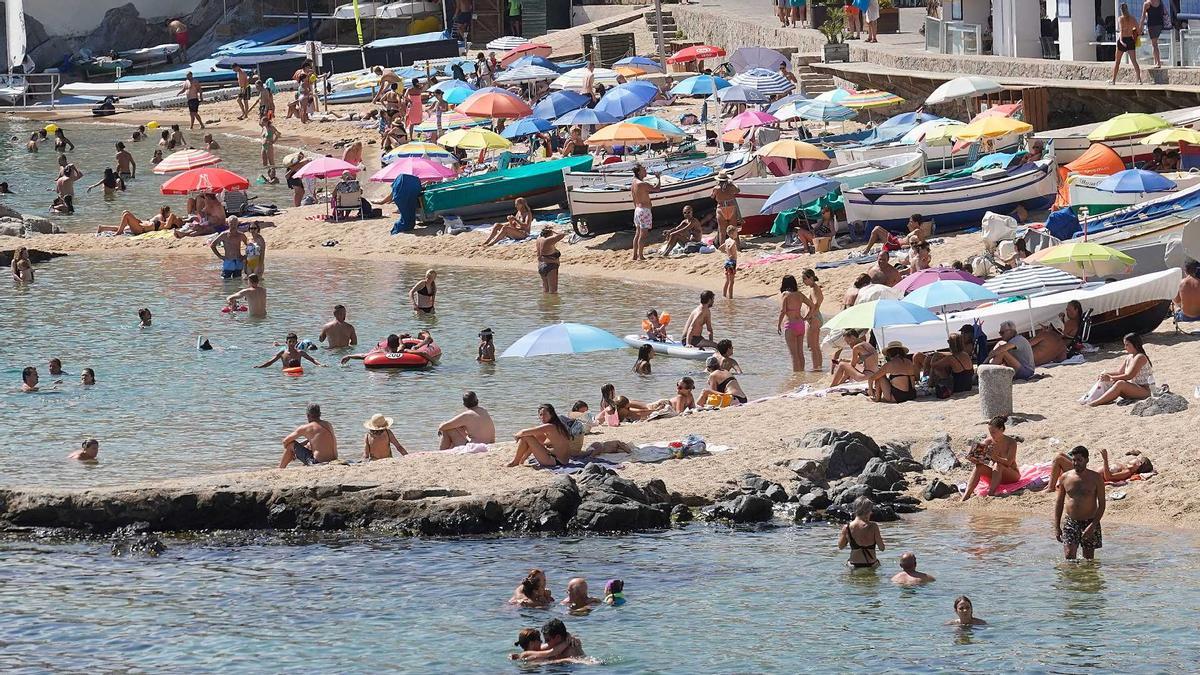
<point>467,449</point>
<point>1032,475</point>
<point>1073,361</point>
<point>767,260</point>
<point>576,465</point>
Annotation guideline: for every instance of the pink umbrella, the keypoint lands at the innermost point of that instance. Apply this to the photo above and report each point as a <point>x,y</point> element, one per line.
<point>916,280</point>
<point>751,118</point>
<point>426,170</point>
<point>326,167</point>
<point>186,160</point>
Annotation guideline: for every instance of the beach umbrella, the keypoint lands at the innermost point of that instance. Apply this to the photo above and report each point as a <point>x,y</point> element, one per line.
<point>627,99</point>
<point>457,95</point>
<point>1137,180</point>
<point>446,86</point>
<point>950,293</point>
<point>506,43</point>
<point>1173,135</point>
<point>751,118</point>
<point>526,126</point>
<point>785,101</point>
<point>868,99</point>
<point>526,49</point>
<point>877,315</point>
<point>585,117</point>
<point>910,119</point>
<point>925,277</point>
<point>534,60</point>
<point>420,149</point>
<point>740,94</point>
<point>1127,124</point>
<point>559,103</point>
<point>450,120</point>
<point>817,111</point>
<point>642,63</point>
<point>769,82</point>
<point>475,139</point>
<point>872,292</point>
<point>942,134</point>
<point>660,125</point>
<point>696,53</point>
<point>699,85</point>
<point>963,87</point>
<point>564,338</point>
<point>325,167</point>
<point>1002,110</point>
<point>206,179</point>
<point>834,95</point>
<point>1084,258</point>
<point>573,79</point>
<point>798,191</point>
<point>624,133</point>
<point>425,169</point>
<point>749,58</point>
<point>186,159</point>
<point>1030,280</point>
<point>788,148</point>
<point>526,74</point>
<point>494,105</point>
<point>924,132</point>
<point>991,127</point>
<point>630,71</point>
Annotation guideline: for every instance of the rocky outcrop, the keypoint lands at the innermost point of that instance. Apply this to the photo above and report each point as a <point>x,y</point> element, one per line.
<point>938,490</point>
<point>124,28</point>
<point>940,456</point>
<point>843,453</point>
<point>36,256</point>
<point>1162,404</point>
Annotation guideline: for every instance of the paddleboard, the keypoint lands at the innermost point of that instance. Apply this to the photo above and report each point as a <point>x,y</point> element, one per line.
<point>118,89</point>
<point>676,349</point>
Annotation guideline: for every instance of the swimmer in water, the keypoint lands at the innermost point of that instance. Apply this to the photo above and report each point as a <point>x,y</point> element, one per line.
<point>29,380</point>
<point>577,595</point>
<point>87,377</point>
<point>87,452</point>
<point>291,354</point>
<point>139,133</point>
<point>54,365</point>
<point>391,346</point>
<point>254,295</point>
<point>529,640</point>
<point>614,592</point>
<point>487,348</point>
<point>380,440</point>
<point>338,334</point>
<point>559,645</point>
<point>144,318</point>
<point>158,156</point>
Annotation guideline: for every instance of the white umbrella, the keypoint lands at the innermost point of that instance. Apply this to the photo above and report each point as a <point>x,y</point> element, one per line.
<point>573,79</point>
<point>917,133</point>
<point>506,43</point>
<point>765,81</point>
<point>963,87</point>
<point>526,74</point>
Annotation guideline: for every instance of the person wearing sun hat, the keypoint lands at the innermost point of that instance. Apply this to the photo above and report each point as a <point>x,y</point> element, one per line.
<point>379,440</point>
<point>725,195</point>
<point>896,380</point>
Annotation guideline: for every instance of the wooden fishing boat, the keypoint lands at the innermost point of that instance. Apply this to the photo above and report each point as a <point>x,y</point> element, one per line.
<point>1071,142</point>
<point>492,194</point>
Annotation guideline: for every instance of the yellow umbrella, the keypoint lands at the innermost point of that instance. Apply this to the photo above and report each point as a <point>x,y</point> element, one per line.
<point>991,127</point>
<point>791,149</point>
<point>942,135</point>
<point>626,133</point>
<point>1173,135</point>
<point>1128,124</point>
<point>474,139</point>
<point>1083,258</point>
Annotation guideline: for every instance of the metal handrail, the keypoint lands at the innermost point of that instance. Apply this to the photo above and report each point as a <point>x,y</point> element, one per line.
<point>39,85</point>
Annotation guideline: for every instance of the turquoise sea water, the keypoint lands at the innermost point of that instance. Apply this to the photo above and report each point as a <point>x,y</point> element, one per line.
<point>31,175</point>
<point>162,409</point>
<point>701,600</point>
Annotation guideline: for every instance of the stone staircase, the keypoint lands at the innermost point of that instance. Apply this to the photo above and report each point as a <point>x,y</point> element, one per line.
<point>668,27</point>
<point>811,81</point>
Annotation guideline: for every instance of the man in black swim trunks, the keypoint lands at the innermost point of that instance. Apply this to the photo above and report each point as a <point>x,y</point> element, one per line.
<point>700,320</point>
<point>1081,493</point>
<point>319,445</point>
<point>243,99</point>
<point>194,95</point>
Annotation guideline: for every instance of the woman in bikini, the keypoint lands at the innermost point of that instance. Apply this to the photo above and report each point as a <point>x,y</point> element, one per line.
<point>862,536</point>
<point>516,227</point>
<point>642,365</point>
<point>809,278</point>
<point>725,351</point>
<point>994,457</point>
<point>1134,380</point>
<point>131,224</point>
<point>725,195</point>
<point>863,361</point>
<point>422,294</point>
<point>549,442</point>
<point>957,368</point>
<point>548,257</point>
<point>1051,344</point>
<point>792,322</point>
<point>721,381</point>
<point>269,136</point>
<point>896,380</point>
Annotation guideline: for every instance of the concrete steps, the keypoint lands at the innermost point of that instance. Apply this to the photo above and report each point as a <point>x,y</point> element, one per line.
<point>811,81</point>
<point>668,27</point>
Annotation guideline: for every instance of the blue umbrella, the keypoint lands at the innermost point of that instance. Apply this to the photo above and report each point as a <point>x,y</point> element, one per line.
<point>626,99</point>
<point>560,103</point>
<point>700,85</point>
<point>950,292</point>
<point>583,117</point>
<point>446,85</point>
<point>535,60</point>
<point>525,127</point>
<point>798,191</point>
<point>564,338</point>
<point>739,94</point>
<point>908,119</point>
<point>457,95</point>
<point>647,64</point>
<point>785,101</point>
<point>1136,180</point>
<point>658,124</point>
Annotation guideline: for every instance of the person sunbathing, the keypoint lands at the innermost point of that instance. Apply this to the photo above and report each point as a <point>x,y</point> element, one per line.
<point>1134,380</point>
<point>896,380</point>
<point>721,381</point>
<point>891,242</point>
<point>626,410</point>
<point>688,231</point>
<point>549,443</point>
<point>1052,344</point>
<point>956,368</point>
<point>516,227</point>
<point>863,361</point>
<point>995,457</point>
<point>1131,468</point>
<point>131,224</point>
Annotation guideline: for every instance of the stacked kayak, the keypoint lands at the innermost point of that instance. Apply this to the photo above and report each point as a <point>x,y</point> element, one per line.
<point>146,55</point>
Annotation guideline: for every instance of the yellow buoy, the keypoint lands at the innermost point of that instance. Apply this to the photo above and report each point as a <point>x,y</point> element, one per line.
<point>152,125</point>
<point>51,128</point>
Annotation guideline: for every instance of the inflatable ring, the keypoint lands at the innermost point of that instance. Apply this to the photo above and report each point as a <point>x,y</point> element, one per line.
<point>152,124</point>
<point>294,371</point>
<point>241,308</point>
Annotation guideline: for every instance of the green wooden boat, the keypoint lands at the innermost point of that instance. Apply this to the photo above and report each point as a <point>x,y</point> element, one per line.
<point>491,194</point>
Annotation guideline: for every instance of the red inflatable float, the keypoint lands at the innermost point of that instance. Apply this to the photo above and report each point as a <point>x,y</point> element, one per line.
<point>414,357</point>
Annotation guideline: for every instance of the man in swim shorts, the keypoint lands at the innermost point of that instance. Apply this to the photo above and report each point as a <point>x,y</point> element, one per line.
<point>338,334</point>
<point>126,165</point>
<point>643,218</point>
<point>1187,300</point>
<point>473,425</point>
<point>312,442</point>
<point>254,295</point>
<point>699,320</point>
<point>232,245</point>
<point>195,94</point>
<point>243,98</point>
<point>1081,495</point>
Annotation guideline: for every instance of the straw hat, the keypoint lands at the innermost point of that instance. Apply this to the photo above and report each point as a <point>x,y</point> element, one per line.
<point>722,176</point>
<point>378,423</point>
<point>895,345</point>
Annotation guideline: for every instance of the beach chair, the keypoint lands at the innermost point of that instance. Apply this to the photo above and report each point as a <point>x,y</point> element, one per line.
<point>235,202</point>
<point>345,202</point>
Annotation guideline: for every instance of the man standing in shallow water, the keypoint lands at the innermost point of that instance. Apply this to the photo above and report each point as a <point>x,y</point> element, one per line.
<point>338,334</point>
<point>1081,492</point>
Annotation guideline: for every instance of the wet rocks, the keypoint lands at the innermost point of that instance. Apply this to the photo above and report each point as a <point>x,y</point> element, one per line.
<point>1163,404</point>
<point>940,456</point>
<point>880,475</point>
<point>754,484</point>
<point>681,514</point>
<point>741,509</point>
<point>815,500</point>
<point>39,225</point>
<point>134,540</point>
<point>938,490</point>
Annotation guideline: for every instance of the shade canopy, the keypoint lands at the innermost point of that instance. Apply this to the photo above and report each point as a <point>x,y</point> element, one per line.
<point>749,58</point>
<point>494,105</point>
<point>625,133</point>
<point>326,167</point>
<point>450,120</point>
<point>1136,180</point>
<point>206,179</point>
<point>660,125</point>
<point>457,95</point>
<point>699,85</point>
<point>627,99</point>
<point>185,160</point>
<point>559,103</point>
<point>445,86</point>
<point>740,94</point>
<point>1173,135</point>
<point>696,53</point>
<point>950,294</point>
<point>992,127</point>
<point>425,169</point>
<point>797,192</point>
<point>526,74</point>
<point>533,60</point>
<point>932,132</point>
<point>1032,280</point>
<point>564,338</point>
<point>834,95</point>
<point>1084,258</point>
<point>506,43</point>
<point>475,139</point>
<point>585,117</point>
<point>963,87</point>
<point>908,119</point>
<point>1128,124</point>
<point>526,126</point>
<point>574,79</point>
<point>878,314</point>
<point>769,82</point>
<point>785,101</point>
<point>420,149</point>
<point>927,276</point>
<point>751,118</point>
<point>788,148</point>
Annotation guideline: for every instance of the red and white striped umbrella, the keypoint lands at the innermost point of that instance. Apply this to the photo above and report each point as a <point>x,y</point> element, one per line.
<point>185,160</point>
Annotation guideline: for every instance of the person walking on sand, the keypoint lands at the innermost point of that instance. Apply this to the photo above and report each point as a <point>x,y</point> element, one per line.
<point>254,295</point>
<point>643,218</point>
<point>1128,30</point>
<point>791,324</point>
<point>1081,495</point>
<point>338,333</point>
<point>194,95</point>
<point>243,98</point>
<point>698,321</point>
<point>908,574</point>
<point>312,442</point>
<point>730,249</point>
<point>473,425</point>
<point>380,440</point>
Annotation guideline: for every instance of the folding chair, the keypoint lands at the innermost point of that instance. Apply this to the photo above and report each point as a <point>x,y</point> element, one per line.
<point>345,202</point>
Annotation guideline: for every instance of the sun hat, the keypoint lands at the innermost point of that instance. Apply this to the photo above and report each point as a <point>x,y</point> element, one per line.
<point>893,345</point>
<point>722,176</point>
<point>378,423</point>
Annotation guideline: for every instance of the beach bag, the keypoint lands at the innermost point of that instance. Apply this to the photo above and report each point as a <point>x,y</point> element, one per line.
<point>1094,393</point>
<point>575,427</point>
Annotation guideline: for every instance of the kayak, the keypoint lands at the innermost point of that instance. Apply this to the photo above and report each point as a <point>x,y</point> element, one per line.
<point>670,348</point>
<point>162,52</point>
<point>119,89</point>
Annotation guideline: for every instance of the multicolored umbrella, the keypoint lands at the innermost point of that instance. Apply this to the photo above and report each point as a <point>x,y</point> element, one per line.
<point>494,105</point>
<point>450,120</point>
<point>1128,124</point>
<point>185,160</point>
<point>933,132</point>
<point>326,167</point>
<point>878,314</point>
<point>420,149</point>
<point>475,139</point>
<point>207,179</point>
<point>642,63</point>
<point>700,85</point>
<point>658,124</point>
<point>871,98</point>
<point>425,169</point>
<point>751,118</point>
<point>696,53</point>
<point>834,95</point>
<point>527,49</point>
<point>564,338</point>
<point>769,82</point>
<point>624,133</point>
<point>560,103</point>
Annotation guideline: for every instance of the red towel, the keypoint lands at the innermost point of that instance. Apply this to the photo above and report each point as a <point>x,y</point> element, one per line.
<point>1029,474</point>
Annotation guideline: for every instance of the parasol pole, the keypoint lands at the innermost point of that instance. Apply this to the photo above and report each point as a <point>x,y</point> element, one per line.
<point>662,45</point>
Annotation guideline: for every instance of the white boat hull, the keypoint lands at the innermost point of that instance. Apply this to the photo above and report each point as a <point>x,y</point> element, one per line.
<point>675,349</point>
<point>118,89</point>
<point>1071,142</point>
<point>937,157</point>
<point>1083,192</point>
<point>163,52</point>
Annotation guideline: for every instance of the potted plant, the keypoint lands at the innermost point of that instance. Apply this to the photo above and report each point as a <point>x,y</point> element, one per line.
<point>889,17</point>
<point>834,30</point>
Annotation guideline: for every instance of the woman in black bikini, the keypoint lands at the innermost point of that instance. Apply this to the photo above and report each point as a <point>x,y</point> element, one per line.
<point>548,258</point>
<point>549,442</point>
<point>721,381</point>
<point>895,381</point>
<point>858,531</point>
<point>956,367</point>
<point>422,294</point>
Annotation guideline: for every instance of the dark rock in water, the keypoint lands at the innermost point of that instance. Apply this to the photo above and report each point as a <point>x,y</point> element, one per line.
<point>802,514</point>
<point>544,509</point>
<point>848,495</point>
<point>895,450</point>
<point>940,456</point>
<point>938,490</point>
<point>281,516</point>
<point>124,28</point>
<point>886,496</point>
<point>656,492</point>
<point>141,544</point>
<point>776,493</point>
<point>880,475</point>
<point>905,499</point>
<point>741,509</point>
<point>839,514</point>
<point>1160,405</point>
<point>844,453</point>
<point>815,500</point>
<point>681,513</point>
<point>906,508</point>
<point>610,503</point>
<point>883,513</point>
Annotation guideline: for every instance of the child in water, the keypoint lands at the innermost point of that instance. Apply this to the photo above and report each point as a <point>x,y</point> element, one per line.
<point>730,249</point>
<point>614,592</point>
<point>656,330</point>
<point>487,349</point>
<point>642,366</point>
<point>144,318</point>
<point>529,640</point>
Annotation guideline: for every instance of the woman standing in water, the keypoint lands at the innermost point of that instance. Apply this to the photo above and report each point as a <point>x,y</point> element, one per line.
<point>814,319</point>
<point>964,613</point>
<point>269,136</point>
<point>548,257</point>
<point>792,307</point>
<point>423,293</point>
<point>862,536</point>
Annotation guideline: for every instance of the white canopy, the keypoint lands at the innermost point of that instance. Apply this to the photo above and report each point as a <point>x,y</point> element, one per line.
<point>963,87</point>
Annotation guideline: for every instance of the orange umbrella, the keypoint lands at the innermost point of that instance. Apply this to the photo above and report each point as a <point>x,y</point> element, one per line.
<point>630,71</point>
<point>209,179</point>
<point>626,133</point>
<point>527,49</point>
<point>186,159</point>
<point>495,105</point>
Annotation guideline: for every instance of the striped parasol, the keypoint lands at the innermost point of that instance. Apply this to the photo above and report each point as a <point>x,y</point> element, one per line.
<point>1032,280</point>
<point>185,160</point>
<point>419,149</point>
<point>834,95</point>
<point>506,43</point>
<point>765,81</point>
<point>871,98</point>
<point>817,111</point>
<point>450,120</point>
